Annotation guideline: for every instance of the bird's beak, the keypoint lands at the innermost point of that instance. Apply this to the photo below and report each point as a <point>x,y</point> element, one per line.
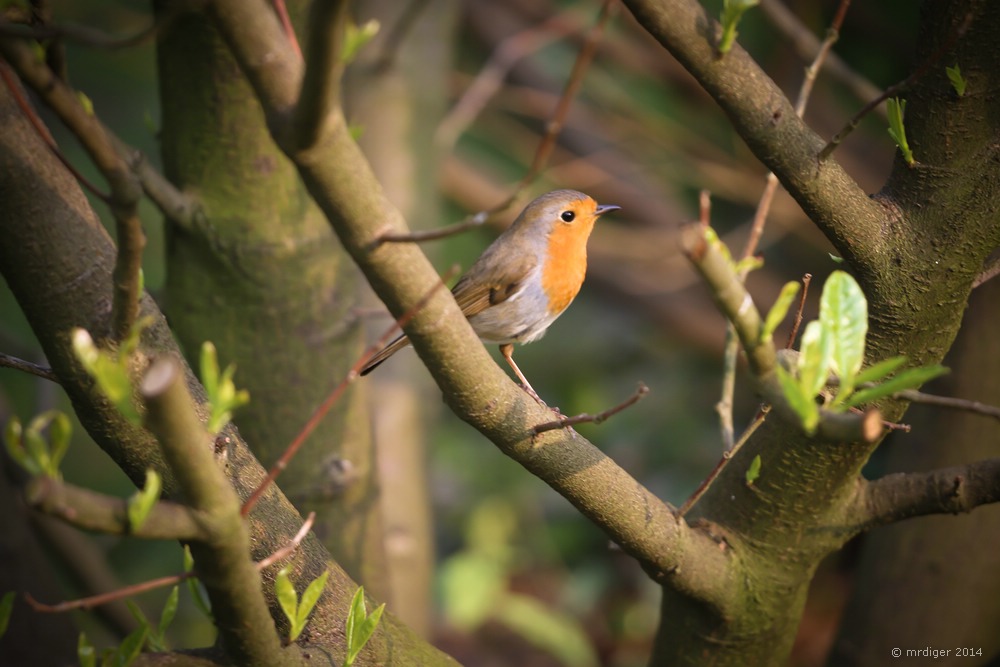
<point>607,208</point>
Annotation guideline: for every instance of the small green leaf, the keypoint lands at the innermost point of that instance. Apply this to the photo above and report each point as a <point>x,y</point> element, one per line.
<point>169,611</point>
<point>957,81</point>
<point>85,652</point>
<point>359,626</point>
<point>222,394</point>
<point>141,503</point>
<point>835,258</point>
<point>110,370</point>
<point>310,596</point>
<point>209,368</point>
<point>60,431</point>
<point>6,607</point>
<point>748,264</point>
<point>753,472</point>
<point>804,406</point>
<point>355,37</point>
<point>13,438</point>
<point>815,358</point>
<point>288,599</point>
<point>712,239</point>
<point>880,370</point>
<point>908,379</point>
<point>192,583</point>
<point>897,130</point>
<point>367,628</point>
<point>732,12</point>
<point>779,310</point>
<point>843,313</point>
<point>130,647</point>
<point>85,102</point>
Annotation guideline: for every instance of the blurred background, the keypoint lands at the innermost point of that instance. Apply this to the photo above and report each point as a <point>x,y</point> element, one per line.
<point>640,134</point>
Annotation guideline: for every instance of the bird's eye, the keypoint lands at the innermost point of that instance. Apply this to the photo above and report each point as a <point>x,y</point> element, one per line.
<point>567,216</point>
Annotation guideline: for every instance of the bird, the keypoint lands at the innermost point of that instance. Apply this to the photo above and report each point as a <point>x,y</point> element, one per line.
<point>526,278</point>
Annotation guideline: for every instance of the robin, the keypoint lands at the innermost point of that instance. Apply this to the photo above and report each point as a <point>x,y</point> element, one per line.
<point>526,278</point>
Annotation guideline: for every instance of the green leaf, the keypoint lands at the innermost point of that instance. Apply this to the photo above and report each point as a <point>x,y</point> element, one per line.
<point>288,599</point>
<point>110,370</point>
<point>732,12</point>
<point>222,394</point>
<point>209,368</point>
<point>167,616</point>
<point>748,264</point>
<point>6,607</point>
<point>895,108</point>
<point>880,370</point>
<point>60,431</point>
<point>132,645</point>
<point>310,596</point>
<point>843,313</point>
<point>957,81</point>
<point>355,37</point>
<point>804,406</point>
<point>556,633</point>
<point>360,626</point>
<point>815,358</point>
<point>85,653</point>
<point>85,102</point>
<point>13,438</point>
<point>753,472</point>
<point>778,311</point>
<point>141,503</point>
<point>192,583</point>
<point>908,379</point>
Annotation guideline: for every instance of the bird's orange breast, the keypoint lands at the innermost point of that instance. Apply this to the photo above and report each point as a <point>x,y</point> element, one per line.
<point>566,263</point>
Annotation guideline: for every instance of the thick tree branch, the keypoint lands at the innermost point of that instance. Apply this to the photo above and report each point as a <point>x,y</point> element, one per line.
<point>223,562</point>
<point>107,514</point>
<point>905,495</point>
<point>767,122</point>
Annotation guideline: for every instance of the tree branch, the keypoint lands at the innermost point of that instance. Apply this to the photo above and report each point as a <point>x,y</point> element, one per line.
<point>107,514</point>
<point>323,71</point>
<point>901,496</point>
<point>223,562</point>
<point>767,122</point>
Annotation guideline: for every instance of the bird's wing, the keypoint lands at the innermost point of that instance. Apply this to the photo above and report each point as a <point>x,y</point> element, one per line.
<point>481,288</point>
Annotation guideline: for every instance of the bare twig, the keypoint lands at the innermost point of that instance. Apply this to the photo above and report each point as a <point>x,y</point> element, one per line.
<point>545,146</point>
<point>585,418</point>
<point>896,88</point>
<point>975,407</point>
<point>331,400</point>
<point>324,68</point>
<point>8,361</point>
<point>797,321</point>
<point>105,598</point>
<point>291,547</point>
<point>286,23</point>
<point>84,35</point>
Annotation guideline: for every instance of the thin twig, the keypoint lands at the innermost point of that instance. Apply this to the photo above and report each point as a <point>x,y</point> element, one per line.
<point>286,23</point>
<point>896,88</point>
<point>8,361</point>
<point>104,598</point>
<point>291,547</point>
<point>797,321</point>
<point>585,418</point>
<point>545,146</point>
<point>975,407</point>
<point>331,400</point>
<point>84,35</point>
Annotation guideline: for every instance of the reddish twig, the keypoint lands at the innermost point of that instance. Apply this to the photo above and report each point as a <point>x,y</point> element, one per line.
<point>286,23</point>
<point>105,598</point>
<point>585,418</point>
<point>292,546</point>
<point>797,322</point>
<point>335,395</point>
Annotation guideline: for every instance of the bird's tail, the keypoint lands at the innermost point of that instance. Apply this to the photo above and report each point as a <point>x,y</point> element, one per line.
<point>385,353</point>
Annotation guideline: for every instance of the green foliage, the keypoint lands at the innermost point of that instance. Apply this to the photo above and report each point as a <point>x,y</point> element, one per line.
<point>223,397</point>
<point>753,472</point>
<point>110,368</point>
<point>197,594</point>
<point>475,587</point>
<point>360,625</point>
<point>86,654</point>
<point>6,607</point>
<point>85,102</point>
<point>297,611</point>
<point>835,343</point>
<point>142,501</point>
<point>732,12</point>
<point>897,131</point>
<point>355,37</point>
<point>957,80</point>
<point>30,448</point>
<point>779,310</point>
<point>156,638</point>
<point>122,656</point>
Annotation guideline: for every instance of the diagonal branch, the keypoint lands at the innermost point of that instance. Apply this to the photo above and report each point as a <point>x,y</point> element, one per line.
<point>324,69</point>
